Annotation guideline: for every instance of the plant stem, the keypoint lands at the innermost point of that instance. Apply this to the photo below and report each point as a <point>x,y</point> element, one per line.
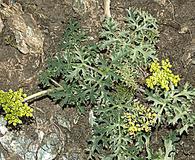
<point>107,8</point>
<point>55,83</point>
<point>95,69</point>
<point>41,93</point>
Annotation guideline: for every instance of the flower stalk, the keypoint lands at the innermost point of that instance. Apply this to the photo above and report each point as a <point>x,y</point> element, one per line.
<point>41,93</point>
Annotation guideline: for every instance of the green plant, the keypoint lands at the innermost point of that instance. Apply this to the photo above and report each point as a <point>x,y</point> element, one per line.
<point>173,108</point>
<point>110,140</point>
<point>129,49</point>
<point>106,76</point>
<point>106,81</point>
<point>167,152</point>
<point>169,102</point>
<point>133,44</point>
<point>86,75</point>
<point>173,105</point>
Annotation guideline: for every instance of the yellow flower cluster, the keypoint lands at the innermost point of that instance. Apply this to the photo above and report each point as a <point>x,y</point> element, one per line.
<point>162,75</point>
<point>13,106</point>
<point>140,118</point>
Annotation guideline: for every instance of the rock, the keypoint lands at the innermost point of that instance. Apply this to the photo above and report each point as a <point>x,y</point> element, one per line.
<point>23,146</point>
<point>29,37</point>
<point>40,143</point>
<point>3,128</point>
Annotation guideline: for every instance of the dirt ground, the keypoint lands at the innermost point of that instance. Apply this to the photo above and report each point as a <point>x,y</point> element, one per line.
<point>177,41</point>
